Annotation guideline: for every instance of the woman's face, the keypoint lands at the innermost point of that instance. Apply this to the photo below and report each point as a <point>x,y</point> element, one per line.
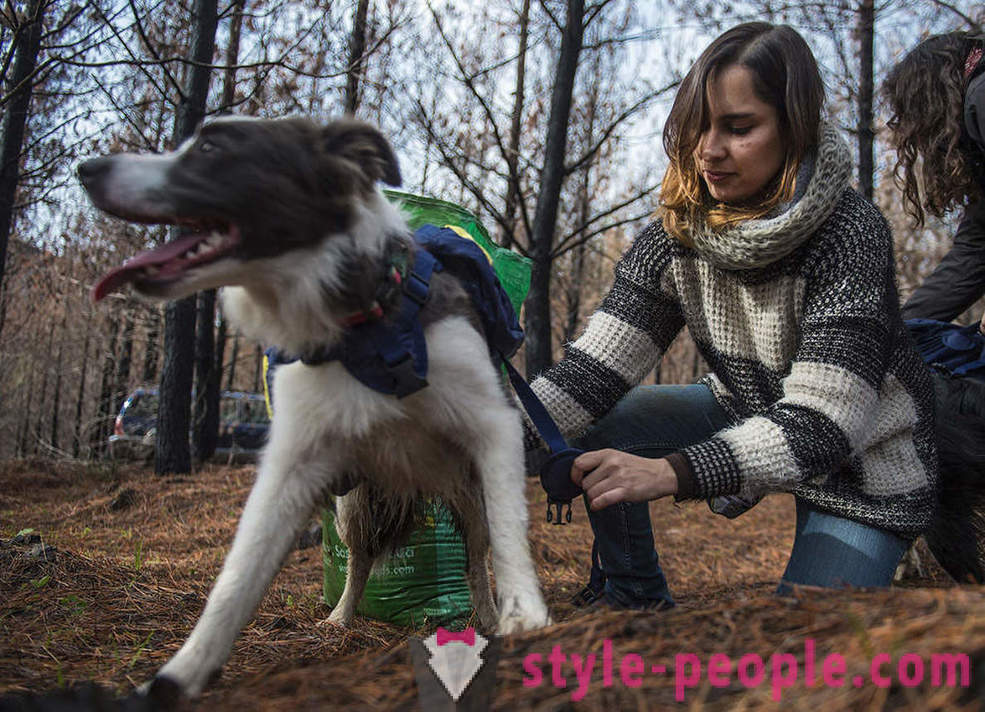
<point>741,150</point>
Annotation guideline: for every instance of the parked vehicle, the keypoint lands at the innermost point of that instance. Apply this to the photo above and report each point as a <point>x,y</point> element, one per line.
<point>243,425</point>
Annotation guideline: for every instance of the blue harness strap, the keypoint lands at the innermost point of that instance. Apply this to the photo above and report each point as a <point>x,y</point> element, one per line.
<point>959,349</point>
<point>467,261</point>
<point>388,355</point>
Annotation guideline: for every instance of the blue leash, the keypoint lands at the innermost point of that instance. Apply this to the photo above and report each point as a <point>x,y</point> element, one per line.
<point>555,473</point>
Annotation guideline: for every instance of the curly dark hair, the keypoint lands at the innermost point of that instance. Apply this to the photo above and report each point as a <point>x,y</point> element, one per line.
<point>925,92</point>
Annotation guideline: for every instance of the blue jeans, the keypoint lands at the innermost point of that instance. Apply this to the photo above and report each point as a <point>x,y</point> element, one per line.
<point>654,421</point>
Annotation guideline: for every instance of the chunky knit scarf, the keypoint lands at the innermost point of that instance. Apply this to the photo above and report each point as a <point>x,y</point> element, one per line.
<point>756,243</point>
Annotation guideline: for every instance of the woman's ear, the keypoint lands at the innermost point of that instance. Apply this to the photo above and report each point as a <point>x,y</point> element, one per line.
<point>364,146</point>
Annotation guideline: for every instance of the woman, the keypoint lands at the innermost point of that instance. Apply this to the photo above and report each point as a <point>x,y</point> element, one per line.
<point>784,277</point>
<point>937,97</point>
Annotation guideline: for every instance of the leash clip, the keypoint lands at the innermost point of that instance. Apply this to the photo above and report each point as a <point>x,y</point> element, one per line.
<point>556,517</point>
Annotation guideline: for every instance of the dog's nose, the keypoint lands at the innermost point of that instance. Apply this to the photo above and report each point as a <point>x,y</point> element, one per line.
<point>90,170</point>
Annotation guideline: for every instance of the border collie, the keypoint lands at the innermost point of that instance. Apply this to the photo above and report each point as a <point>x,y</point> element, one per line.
<point>287,217</point>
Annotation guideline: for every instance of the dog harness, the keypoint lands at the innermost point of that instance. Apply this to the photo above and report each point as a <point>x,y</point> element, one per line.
<point>389,355</point>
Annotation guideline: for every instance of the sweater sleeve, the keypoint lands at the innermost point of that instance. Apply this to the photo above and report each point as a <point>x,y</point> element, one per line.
<point>624,338</point>
<point>830,394</point>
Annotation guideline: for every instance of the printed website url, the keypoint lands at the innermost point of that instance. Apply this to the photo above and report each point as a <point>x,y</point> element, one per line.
<point>781,671</point>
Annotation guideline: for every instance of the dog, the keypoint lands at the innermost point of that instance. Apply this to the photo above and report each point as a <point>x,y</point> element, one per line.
<point>286,215</point>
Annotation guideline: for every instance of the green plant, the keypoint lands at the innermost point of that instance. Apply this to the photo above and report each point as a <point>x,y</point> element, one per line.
<point>140,648</point>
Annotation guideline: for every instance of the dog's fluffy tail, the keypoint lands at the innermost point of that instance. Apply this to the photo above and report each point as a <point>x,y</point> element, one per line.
<point>957,535</point>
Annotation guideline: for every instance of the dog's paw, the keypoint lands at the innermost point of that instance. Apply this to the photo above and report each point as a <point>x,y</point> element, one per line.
<point>518,615</point>
<point>337,617</point>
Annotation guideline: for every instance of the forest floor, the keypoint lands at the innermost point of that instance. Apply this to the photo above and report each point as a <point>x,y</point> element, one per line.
<point>127,559</point>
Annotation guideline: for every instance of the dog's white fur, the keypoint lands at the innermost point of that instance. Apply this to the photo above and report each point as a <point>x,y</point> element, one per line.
<point>327,423</point>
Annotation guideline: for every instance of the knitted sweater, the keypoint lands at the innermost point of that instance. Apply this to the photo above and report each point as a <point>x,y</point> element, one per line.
<point>798,317</point>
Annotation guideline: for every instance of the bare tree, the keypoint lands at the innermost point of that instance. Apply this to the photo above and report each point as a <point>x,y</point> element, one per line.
<point>27,31</point>
<point>538,304</point>
<point>357,50</point>
<point>866,134</point>
<point>173,454</point>
<point>209,346</point>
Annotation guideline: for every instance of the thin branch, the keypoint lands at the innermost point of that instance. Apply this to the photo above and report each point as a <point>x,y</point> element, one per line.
<point>126,47</point>
<point>623,116</point>
<point>973,25</point>
<point>126,115</point>
<point>593,11</point>
<point>605,228</point>
<point>566,242</point>
<point>550,14</point>
<point>150,47</point>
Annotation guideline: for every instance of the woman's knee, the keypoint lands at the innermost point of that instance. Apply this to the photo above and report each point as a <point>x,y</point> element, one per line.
<point>660,418</point>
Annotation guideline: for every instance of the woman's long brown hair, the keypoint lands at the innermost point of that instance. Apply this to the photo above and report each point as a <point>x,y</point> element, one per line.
<point>925,92</point>
<point>785,76</point>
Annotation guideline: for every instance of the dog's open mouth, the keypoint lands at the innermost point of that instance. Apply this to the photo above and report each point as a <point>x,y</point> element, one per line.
<point>207,242</point>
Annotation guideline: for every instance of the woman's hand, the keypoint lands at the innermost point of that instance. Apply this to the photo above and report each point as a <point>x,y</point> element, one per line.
<point>610,476</point>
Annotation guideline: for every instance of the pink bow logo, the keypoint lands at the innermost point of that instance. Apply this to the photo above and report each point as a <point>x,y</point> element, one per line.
<point>466,636</point>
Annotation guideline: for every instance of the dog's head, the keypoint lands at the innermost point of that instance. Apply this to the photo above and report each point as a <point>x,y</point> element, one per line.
<point>242,189</point>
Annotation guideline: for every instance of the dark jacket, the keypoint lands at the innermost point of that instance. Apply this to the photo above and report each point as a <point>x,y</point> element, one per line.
<point>959,280</point>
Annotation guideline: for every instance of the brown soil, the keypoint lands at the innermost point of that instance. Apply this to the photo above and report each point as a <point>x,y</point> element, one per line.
<point>135,555</point>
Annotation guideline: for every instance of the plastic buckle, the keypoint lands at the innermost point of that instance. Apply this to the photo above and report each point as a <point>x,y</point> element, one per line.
<point>406,380</point>
<point>417,288</point>
<point>555,478</point>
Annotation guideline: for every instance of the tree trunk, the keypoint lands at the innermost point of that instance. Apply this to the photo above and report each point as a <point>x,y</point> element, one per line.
<point>221,337</point>
<point>576,278</point>
<point>56,399</point>
<point>205,429</point>
<point>15,117</point>
<point>516,128</point>
<point>104,413</point>
<point>232,57</point>
<point>357,48</point>
<point>153,350</point>
<point>208,375</point>
<point>258,371</point>
<point>538,304</point>
<point>80,399</point>
<point>25,424</point>
<point>233,358</point>
<point>173,454</point>
<point>123,365</point>
<point>45,368</point>
<point>866,135</point>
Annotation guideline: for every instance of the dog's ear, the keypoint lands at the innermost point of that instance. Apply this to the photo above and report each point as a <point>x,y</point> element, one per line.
<point>365,146</point>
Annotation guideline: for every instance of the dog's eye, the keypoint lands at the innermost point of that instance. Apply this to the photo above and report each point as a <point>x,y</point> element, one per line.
<point>206,147</point>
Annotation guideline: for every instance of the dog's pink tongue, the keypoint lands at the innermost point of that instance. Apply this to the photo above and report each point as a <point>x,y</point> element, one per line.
<point>130,269</point>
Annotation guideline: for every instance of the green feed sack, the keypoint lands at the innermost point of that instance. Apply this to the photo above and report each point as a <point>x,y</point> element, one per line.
<point>421,584</point>
<point>512,269</point>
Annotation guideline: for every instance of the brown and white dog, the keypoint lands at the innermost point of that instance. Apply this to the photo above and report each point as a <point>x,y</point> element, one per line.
<point>286,215</point>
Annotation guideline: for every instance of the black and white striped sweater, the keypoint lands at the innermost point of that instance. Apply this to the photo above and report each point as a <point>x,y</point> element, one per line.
<point>808,352</point>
